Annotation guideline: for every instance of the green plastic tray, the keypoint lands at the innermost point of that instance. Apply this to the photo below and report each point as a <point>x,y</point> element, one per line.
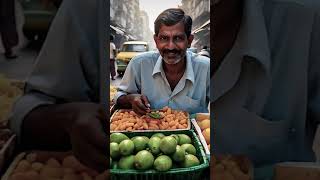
<point>192,173</point>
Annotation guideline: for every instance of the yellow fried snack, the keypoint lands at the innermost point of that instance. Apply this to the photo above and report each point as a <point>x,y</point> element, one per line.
<point>227,168</point>
<point>8,95</point>
<point>113,91</point>
<point>68,168</point>
<point>130,121</point>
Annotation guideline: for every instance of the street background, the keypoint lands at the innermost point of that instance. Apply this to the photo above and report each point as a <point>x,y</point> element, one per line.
<point>129,20</point>
<point>20,67</point>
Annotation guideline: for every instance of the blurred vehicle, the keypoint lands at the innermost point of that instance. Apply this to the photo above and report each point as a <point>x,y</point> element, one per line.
<point>38,17</point>
<point>128,51</point>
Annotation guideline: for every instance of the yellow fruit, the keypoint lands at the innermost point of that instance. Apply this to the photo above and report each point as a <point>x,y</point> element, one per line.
<point>206,135</point>
<point>32,157</point>
<point>51,172</point>
<point>37,166</point>
<point>73,163</point>
<point>24,175</point>
<point>53,163</point>
<point>204,124</point>
<point>23,166</point>
<point>202,116</point>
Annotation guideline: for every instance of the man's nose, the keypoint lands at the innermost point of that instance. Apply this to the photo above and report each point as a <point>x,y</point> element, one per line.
<point>171,44</point>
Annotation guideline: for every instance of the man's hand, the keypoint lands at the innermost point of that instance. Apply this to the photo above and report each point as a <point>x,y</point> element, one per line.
<point>87,135</point>
<point>139,103</point>
<point>80,125</point>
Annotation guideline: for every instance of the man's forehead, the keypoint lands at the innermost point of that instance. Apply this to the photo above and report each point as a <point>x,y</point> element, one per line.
<point>177,29</point>
<point>171,33</point>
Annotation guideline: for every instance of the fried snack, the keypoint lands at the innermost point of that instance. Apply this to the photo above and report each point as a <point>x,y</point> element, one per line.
<point>227,167</point>
<point>113,91</point>
<point>68,168</point>
<point>130,121</point>
<point>8,95</point>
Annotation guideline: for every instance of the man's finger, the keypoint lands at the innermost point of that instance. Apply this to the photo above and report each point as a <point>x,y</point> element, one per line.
<point>139,111</point>
<point>96,135</point>
<point>145,101</point>
<point>91,157</point>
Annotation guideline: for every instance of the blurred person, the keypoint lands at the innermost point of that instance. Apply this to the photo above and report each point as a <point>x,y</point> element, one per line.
<point>171,76</point>
<point>204,52</point>
<point>266,78</point>
<point>60,109</point>
<point>113,55</point>
<point>8,28</point>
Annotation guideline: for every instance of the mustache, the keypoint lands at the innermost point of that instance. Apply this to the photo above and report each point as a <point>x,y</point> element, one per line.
<point>176,51</point>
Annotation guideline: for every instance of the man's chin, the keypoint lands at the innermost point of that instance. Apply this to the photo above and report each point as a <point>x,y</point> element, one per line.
<point>171,60</point>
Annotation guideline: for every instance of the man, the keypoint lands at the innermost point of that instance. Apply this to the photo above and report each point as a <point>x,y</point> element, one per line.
<point>171,77</point>
<point>60,109</point>
<point>266,76</point>
<point>8,28</point>
<point>113,54</point>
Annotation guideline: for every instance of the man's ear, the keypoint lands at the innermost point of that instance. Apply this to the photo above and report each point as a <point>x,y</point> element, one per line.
<point>190,39</point>
<point>155,38</point>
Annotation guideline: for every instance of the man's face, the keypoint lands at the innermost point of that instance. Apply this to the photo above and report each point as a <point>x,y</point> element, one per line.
<point>172,42</point>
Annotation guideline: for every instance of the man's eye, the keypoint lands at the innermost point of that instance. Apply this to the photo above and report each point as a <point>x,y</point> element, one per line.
<point>162,38</point>
<point>178,38</point>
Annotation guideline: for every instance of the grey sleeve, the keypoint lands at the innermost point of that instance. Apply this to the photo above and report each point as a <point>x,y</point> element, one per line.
<point>23,106</point>
<point>130,82</point>
<point>67,67</point>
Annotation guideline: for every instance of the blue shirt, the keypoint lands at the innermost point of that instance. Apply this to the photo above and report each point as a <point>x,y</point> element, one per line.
<point>266,91</point>
<point>145,75</point>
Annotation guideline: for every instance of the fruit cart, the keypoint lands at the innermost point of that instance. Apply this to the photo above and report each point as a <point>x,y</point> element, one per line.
<point>148,136</point>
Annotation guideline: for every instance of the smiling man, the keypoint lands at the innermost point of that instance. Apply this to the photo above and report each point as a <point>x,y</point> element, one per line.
<point>170,77</point>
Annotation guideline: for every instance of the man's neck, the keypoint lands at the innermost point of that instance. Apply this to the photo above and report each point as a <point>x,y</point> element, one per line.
<point>226,24</point>
<point>174,72</point>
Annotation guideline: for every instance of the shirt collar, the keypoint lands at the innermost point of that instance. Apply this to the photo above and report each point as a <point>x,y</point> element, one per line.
<point>253,36</point>
<point>189,73</point>
<point>251,44</point>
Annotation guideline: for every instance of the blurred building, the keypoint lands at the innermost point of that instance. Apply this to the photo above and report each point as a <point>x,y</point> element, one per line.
<point>199,10</point>
<point>147,34</point>
<point>128,22</point>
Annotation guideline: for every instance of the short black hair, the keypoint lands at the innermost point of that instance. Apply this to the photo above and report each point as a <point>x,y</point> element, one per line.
<point>171,17</point>
<point>111,37</point>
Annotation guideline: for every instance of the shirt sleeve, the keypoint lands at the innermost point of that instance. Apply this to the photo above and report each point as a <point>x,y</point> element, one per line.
<point>23,106</point>
<point>67,67</point>
<point>208,88</point>
<point>130,83</point>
